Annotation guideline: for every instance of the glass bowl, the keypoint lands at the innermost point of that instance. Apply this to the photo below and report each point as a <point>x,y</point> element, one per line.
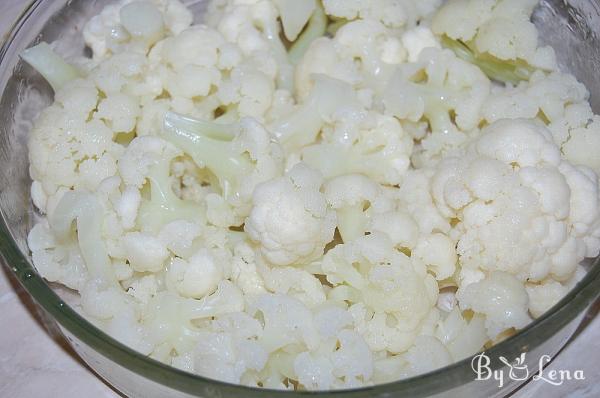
<point>570,27</point>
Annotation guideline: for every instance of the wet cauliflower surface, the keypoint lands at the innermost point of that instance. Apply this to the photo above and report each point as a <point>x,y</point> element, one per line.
<point>314,194</point>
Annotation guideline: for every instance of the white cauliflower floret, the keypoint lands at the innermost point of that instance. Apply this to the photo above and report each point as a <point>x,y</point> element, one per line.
<point>197,277</point>
<point>296,283</point>
<point>416,198</point>
<point>418,39</point>
<point>168,318</point>
<point>349,196</point>
<point>444,90</point>
<point>399,226</point>
<point>145,22</point>
<point>254,27</point>
<point>102,301</point>
<point>392,13</point>
<point>362,54</point>
<point>543,296</point>
<point>547,94</point>
<point>241,157</point>
<point>558,100</point>
<point>348,366</point>
<point>438,253</point>
<point>518,204</point>
<point>501,297</point>
<point>69,148</point>
<point>499,28</point>
<point>144,288</point>
<point>427,354</point>
<point>229,348</point>
<point>290,217</point>
<point>377,147</point>
<point>286,322</point>
<point>145,253</point>
<point>371,271</point>
<point>462,338</point>
<point>250,90</point>
<point>55,262</point>
<point>244,270</point>
<point>148,160</point>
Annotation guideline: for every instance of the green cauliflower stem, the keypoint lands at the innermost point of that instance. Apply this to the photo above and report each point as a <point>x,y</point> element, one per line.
<point>512,72</point>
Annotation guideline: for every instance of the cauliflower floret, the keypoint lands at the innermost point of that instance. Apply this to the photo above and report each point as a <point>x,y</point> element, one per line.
<point>55,262</point>
<point>418,39</point>
<point>145,253</point>
<point>290,217</point>
<point>229,348</point>
<point>392,13</point>
<point>498,28</point>
<point>168,318</point>
<point>501,297</point>
<point>438,252</point>
<point>462,338</point>
<point>444,90</point>
<point>518,204</point>
<point>350,195</point>
<point>377,147</point>
<point>543,296</point>
<point>362,54</point>
<point>296,283</point>
<point>240,160</point>
<point>67,147</point>
<point>371,271</point>
<point>254,28</point>
<point>143,22</point>
<point>148,160</point>
<point>348,366</point>
<point>416,198</point>
<point>244,270</point>
<point>179,237</point>
<point>287,321</point>
<point>197,277</point>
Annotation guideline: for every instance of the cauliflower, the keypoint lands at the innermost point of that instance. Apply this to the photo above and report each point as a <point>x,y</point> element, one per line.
<point>392,13</point>
<point>518,204</point>
<point>290,217</point>
<point>239,162</point>
<point>370,271</point>
<point>378,148</point>
<point>496,35</point>
<point>148,159</point>
<point>363,54</point>
<point>349,195</point>
<point>313,194</point>
<point>229,348</point>
<point>501,298</point>
<point>444,90</point>
<point>197,277</point>
<point>69,149</point>
<point>140,22</point>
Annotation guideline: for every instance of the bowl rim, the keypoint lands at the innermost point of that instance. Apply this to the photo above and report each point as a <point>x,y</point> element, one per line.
<point>440,380</point>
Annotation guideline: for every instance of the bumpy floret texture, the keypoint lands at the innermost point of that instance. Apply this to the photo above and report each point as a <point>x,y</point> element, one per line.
<point>313,194</point>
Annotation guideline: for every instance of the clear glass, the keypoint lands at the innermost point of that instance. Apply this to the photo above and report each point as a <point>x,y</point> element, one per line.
<point>572,30</point>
